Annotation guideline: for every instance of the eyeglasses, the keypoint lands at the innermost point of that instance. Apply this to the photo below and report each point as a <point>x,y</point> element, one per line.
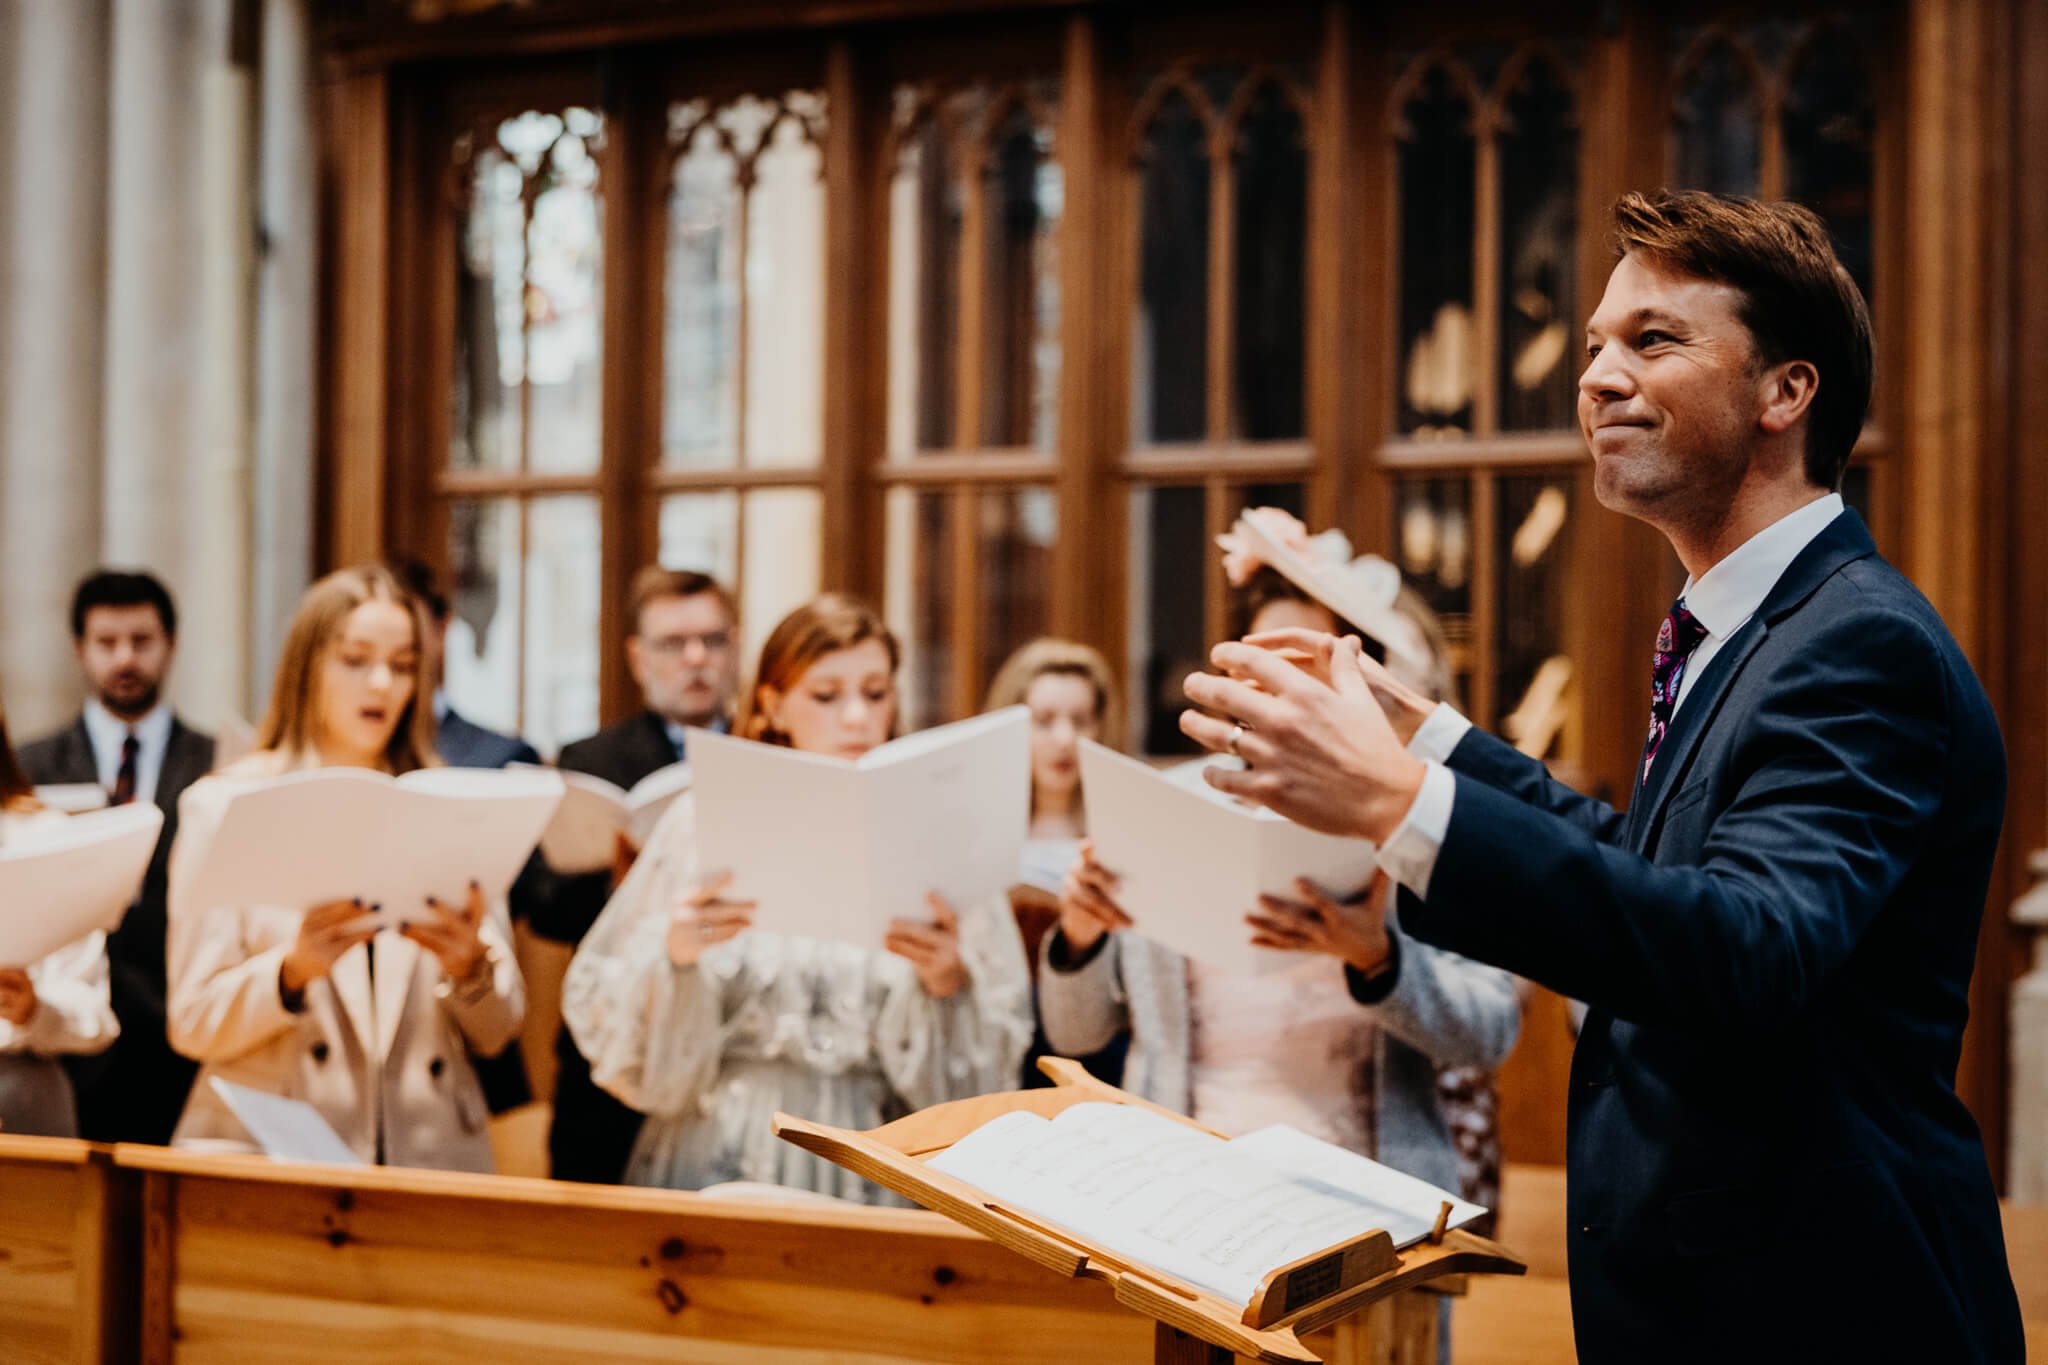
<point>713,641</point>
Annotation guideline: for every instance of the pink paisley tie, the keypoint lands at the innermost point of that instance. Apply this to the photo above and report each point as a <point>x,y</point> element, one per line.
<point>1677,638</point>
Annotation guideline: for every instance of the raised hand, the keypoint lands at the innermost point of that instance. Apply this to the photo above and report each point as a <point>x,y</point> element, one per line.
<point>704,917</point>
<point>1323,754</point>
<point>1312,651</point>
<point>325,933</point>
<point>932,949</point>
<point>1088,907</point>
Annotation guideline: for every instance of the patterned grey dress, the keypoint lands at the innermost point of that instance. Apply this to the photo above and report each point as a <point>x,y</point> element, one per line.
<point>830,1032</point>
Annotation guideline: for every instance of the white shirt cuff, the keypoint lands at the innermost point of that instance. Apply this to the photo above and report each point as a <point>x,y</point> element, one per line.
<point>1441,731</point>
<point>1409,855</point>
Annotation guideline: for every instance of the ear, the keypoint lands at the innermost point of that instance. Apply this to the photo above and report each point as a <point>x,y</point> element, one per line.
<point>769,701</point>
<point>1788,393</point>
<point>634,662</point>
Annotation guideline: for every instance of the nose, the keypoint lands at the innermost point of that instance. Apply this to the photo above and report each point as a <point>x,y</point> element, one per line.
<point>695,651</point>
<point>1606,377</point>
<point>380,677</point>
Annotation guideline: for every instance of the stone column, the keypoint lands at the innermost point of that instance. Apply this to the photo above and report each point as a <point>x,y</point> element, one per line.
<point>54,94</point>
<point>2027,1103</point>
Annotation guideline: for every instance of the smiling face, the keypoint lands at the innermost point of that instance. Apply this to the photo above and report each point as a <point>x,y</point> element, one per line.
<point>842,705</point>
<point>1065,709</point>
<point>369,673</point>
<point>1672,394</point>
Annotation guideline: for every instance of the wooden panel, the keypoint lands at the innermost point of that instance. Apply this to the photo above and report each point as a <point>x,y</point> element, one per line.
<point>356,169</point>
<point>420,1266</point>
<point>67,1257</point>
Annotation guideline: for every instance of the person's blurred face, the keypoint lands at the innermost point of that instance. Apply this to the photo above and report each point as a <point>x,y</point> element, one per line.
<point>1064,711</point>
<point>1285,613</point>
<point>842,705</point>
<point>685,658</point>
<point>370,672</point>
<point>125,653</point>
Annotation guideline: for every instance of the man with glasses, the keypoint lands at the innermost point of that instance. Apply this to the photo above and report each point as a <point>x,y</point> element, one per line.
<point>683,654</point>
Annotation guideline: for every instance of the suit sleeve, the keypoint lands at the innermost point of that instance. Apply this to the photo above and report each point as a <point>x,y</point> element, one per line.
<point>1484,758</point>
<point>1835,787</point>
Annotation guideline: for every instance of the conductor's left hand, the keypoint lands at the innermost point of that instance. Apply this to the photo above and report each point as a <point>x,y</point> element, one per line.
<point>1323,754</point>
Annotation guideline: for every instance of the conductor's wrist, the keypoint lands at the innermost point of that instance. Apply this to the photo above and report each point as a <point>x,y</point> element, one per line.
<point>1392,799</point>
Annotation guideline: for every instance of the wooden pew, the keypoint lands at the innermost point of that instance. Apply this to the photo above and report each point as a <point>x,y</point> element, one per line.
<point>1528,1321</point>
<point>70,1254</point>
<point>250,1260</point>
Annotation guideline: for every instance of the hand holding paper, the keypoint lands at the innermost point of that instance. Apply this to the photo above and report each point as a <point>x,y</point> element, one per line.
<point>1354,932</point>
<point>706,917</point>
<point>17,996</point>
<point>932,950</point>
<point>450,932</point>
<point>1088,907</point>
<point>325,934</point>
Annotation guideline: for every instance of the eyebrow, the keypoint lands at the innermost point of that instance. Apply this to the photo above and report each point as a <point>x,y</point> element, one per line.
<point>1642,317</point>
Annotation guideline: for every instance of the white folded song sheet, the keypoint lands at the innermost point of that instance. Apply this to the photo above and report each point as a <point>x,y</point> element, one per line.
<point>583,835</point>
<point>286,1129</point>
<point>835,848</point>
<point>62,879</point>
<point>1191,861</point>
<point>304,839</point>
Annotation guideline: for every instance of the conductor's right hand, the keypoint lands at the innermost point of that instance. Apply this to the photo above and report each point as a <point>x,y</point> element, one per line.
<point>326,932</point>
<point>705,917</point>
<point>1088,907</point>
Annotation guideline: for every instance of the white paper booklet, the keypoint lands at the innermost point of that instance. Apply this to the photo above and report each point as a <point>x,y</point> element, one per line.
<point>73,798</point>
<point>583,836</point>
<point>1192,861</point>
<point>1219,1215</point>
<point>62,879</point>
<point>307,838</point>
<point>835,848</point>
<point>286,1129</point>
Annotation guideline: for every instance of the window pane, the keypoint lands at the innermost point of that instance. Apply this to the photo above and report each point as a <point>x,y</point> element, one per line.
<point>1016,537</point>
<point>1289,497</point>
<point>779,563</point>
<point>490,303</point>
<point>1433,547</point>
<point>701,531</point>
<point>1169,344</point>
<point>481,666</point>
<point>563,604</point>
<point>564,306</point>
<point>1170,554</point>
<point>924,287</point>
<point>785,295</point>
<point>1539,242</point>
<point>919,603</point>
<point>1534,556</point>
<point>1715,137</point>
<point>1272,244</point>
<point>1830,129</point>
<point>1022,198</point>
<point>1436,227</point>
<point>700,400</point>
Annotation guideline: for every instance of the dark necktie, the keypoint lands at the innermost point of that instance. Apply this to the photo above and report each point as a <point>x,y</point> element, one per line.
<point>124,781</point>
<point>1677,638</point>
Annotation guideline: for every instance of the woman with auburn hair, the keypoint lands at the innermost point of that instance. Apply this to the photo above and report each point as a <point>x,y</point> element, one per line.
<point>57,1006</point>
<point>709,1026</point>
<point>373,1027</point>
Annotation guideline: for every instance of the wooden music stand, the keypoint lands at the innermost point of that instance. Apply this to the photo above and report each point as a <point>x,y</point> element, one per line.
<point>1195,1327</point>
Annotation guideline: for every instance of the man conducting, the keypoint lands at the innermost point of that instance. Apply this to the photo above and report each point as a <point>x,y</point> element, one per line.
<point>1767,1156</point>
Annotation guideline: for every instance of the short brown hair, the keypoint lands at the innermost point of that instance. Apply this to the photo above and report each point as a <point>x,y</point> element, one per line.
<point>1797,300</point>
<point>654,582</point>
<point>824,625</point>
<point>291,725</point>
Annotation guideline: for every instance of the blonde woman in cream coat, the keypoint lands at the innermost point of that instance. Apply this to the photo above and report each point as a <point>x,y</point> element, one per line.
<point>373,1029</point>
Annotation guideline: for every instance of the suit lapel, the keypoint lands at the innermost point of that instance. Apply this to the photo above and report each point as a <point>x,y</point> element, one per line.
<point>78,762</point>
<point>397,958</point>
<point>351,977</point>
<point>187,758</point>
<point>1693,720</point>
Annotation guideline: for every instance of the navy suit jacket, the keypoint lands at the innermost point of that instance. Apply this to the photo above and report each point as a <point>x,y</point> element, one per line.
<point>1767,1156</point>
<point>465,744</point>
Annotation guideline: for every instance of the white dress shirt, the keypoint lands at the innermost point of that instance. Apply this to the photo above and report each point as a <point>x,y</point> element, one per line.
<point>107,733</point>
<point>1723,600</point>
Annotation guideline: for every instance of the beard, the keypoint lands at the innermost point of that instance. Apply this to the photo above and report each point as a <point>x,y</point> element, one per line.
<point>130,694</point>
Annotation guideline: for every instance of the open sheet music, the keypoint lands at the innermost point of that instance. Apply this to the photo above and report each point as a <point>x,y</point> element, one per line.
<point>306,838</point>
<point>1219,1215</point>
<point>835,848</point>
<point>583,835</point>
<point>1191,862</point>
<point>62,879</point>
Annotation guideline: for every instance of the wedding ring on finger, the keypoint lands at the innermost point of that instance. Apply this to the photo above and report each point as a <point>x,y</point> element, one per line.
<point>1236,734</point>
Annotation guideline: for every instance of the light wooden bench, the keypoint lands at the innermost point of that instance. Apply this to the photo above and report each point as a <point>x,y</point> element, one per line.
<point>70,1254</point>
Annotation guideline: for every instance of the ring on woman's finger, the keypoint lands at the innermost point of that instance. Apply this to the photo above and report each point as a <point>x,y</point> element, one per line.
<point>1236,734</point>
